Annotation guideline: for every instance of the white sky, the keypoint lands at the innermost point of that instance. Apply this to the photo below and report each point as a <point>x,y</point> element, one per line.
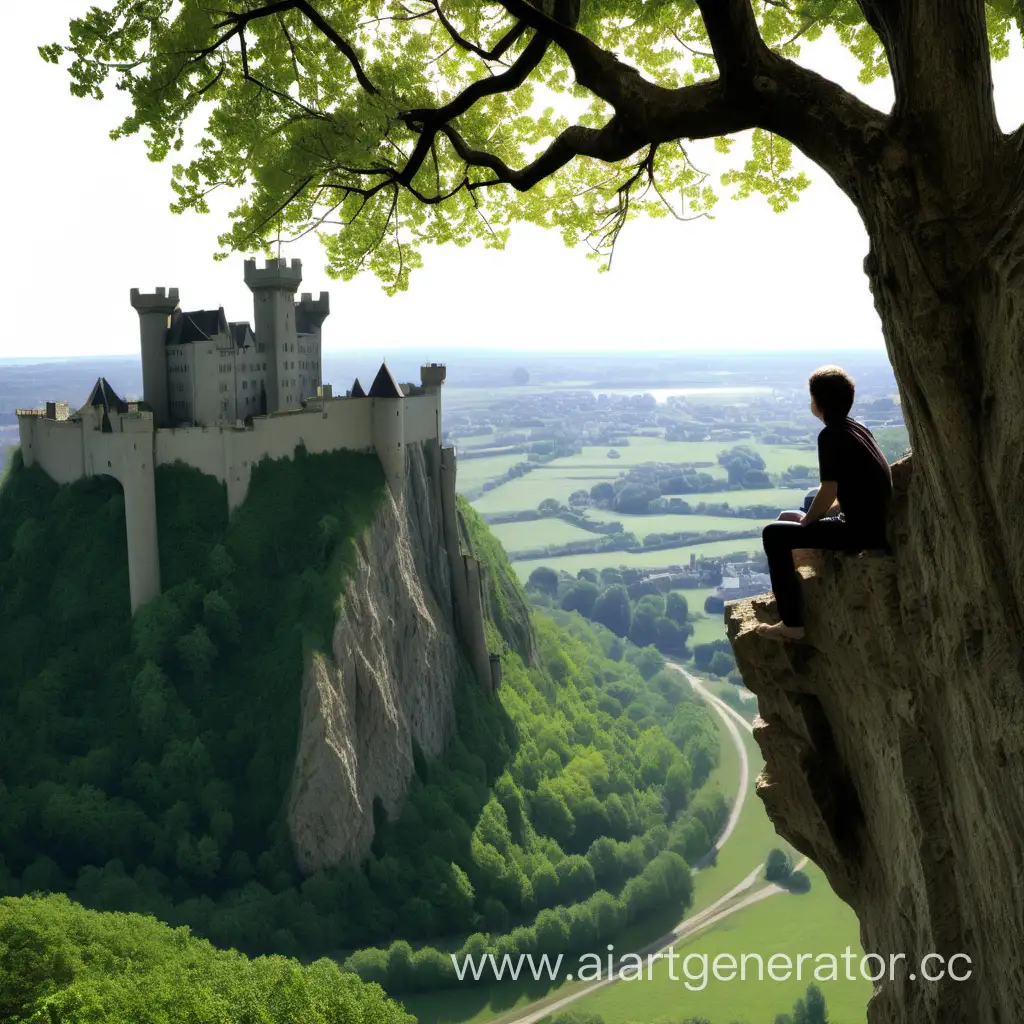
<point>87,219</point>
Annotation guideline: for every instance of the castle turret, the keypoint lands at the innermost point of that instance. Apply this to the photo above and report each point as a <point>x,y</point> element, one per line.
<point>273,290</point>
<point>432,376</point>
<point>310,315</point>
<point>154,311</point>
<point>389,427</point>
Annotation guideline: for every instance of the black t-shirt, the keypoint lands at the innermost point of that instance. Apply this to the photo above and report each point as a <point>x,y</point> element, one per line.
<point>849,455</point>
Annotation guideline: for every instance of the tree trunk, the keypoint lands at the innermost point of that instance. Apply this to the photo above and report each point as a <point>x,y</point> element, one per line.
<point>894,739</point>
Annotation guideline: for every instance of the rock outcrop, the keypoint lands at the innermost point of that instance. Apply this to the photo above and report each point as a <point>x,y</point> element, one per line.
<point>893,744</point>
<point>386,685</point>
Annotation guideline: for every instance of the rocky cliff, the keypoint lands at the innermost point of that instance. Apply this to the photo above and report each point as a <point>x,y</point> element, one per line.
<point>385,686</point>
<point>893,760</point>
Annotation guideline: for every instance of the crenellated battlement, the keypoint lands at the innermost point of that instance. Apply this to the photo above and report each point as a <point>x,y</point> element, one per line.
<point>274,274</point>
<point>433,375</point>
<point>315,311</point>
<point>163,300</point>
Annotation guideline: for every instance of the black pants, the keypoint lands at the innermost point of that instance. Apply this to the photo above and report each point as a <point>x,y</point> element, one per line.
<point>782,538</point>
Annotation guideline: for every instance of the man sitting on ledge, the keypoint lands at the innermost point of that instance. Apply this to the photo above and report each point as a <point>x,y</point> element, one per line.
<point>850,509</point>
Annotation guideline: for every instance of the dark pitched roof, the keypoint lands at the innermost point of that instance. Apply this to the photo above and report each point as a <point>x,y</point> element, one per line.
<point>241,335</point>
<point>104,396</point>
<point>357,390</point>
<point>384,385</point>
<point>199,325</point>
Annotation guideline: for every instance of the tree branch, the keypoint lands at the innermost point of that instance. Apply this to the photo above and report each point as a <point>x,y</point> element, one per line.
<point>495,53</point>
<point>614,142</point>
<point>735,39</point>
<point>239,21</point>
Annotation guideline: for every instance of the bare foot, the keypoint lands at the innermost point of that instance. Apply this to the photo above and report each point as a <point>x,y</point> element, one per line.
<point>780,631</point>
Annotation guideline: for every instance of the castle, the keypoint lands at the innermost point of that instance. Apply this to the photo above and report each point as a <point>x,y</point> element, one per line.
<point>221,396</point>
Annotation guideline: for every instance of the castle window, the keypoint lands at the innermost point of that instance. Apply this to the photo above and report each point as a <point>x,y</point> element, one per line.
<point>245,385</point>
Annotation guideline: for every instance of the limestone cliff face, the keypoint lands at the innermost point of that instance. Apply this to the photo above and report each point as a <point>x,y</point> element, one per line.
<point>386,684</point>
<point>893,760</point>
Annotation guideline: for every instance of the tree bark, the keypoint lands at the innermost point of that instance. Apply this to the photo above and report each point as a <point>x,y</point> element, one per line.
<point>894,742</point>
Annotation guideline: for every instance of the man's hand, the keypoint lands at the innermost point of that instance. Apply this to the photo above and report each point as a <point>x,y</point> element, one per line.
<point>823,504</point>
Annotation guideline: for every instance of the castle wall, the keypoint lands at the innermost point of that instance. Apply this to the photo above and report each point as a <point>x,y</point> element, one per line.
<point>229,453</point>
<point>127,456</point>
<point>54,445</point>
<point>422,416</point>
<point>388,434</point>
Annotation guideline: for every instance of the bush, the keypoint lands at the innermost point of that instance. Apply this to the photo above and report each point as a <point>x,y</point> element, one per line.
<point>798,882</point>
<point>703,653</point>
<point>777,866</point>
<point>544,580</point>
<point>612,610</point>
<point>721,664</point>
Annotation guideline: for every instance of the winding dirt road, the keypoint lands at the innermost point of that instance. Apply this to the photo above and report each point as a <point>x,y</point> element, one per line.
<point>738,898</point>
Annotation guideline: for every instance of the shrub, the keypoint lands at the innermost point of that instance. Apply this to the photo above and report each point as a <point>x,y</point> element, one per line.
<point>777,866</point>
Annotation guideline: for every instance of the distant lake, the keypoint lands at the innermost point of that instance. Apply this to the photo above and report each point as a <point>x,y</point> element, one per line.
<point>663,394</point>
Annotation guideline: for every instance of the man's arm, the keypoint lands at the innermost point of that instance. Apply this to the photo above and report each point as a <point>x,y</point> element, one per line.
<point>823,502</point>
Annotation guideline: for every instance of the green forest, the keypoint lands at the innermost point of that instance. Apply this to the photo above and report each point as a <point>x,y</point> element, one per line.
<point>145,764</point>
<point>62,963</point>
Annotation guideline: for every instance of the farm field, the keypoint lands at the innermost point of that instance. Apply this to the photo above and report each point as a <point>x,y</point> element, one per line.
<point>705,627</point>
<point>777,457</point>
<point>613,559</point>
<point>667,523</point>
<point>558,479</point>
<point>782,497</point>
<point>816,922</point>
<point>472,473</point>
<point>549,481</point>
<point>538,534</point>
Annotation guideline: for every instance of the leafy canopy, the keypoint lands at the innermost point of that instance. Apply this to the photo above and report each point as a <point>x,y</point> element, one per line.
<point>388,124</point>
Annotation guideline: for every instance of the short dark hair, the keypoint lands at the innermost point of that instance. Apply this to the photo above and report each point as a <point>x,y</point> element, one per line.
<point>832,389</point>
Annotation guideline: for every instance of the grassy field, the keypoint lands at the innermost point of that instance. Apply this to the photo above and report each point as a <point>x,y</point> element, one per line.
<point>612,559</point>
<point>705,627</point>
<point>538,534</point>
<point>643,525</point>
<point>817,922</point>
<point>474,472</point>
<point>777,458</point>
<point>558,479</point>
<point>529,491</point>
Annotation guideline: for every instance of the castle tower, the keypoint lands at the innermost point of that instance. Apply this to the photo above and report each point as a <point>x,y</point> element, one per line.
<point>310,315</point>
<point>432,377</point>
<point>389,427</point>
<point>273,290</point>
<point>154,312</point>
